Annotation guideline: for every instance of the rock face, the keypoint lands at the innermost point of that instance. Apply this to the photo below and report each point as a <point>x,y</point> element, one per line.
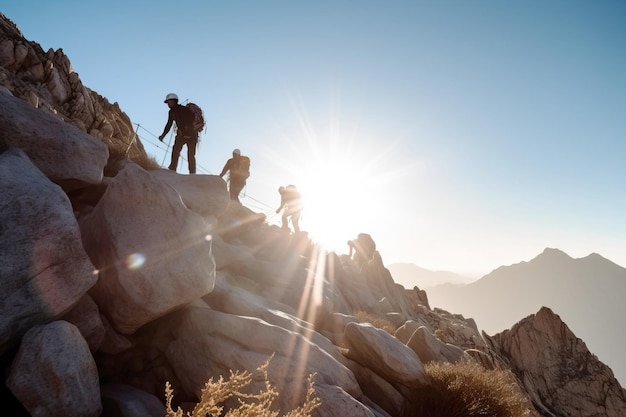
<point>557,370</point>
<point>49,354</point>
<point>142,246</point>
<point>116,279</point>
<point>47,81</point>
<point>78,158</point>
<point>44,268</point>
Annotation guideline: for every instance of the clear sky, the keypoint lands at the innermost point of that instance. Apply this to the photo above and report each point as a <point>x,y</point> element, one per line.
<point>462,135</point>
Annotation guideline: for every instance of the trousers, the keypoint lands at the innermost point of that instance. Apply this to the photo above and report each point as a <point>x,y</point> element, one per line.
<point>179,142</point>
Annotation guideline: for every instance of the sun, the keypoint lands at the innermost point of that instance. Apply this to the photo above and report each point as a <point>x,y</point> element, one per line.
<point>344,190</point>
<point>336,203</point>
<point>346,177</point>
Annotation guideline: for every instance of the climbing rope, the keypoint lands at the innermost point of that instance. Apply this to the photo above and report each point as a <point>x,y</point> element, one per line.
<point>153,140</point>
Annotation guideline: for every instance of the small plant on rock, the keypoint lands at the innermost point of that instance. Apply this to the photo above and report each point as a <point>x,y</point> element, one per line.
<point>376,321</point>
<point>466,389</point>
<point>257,405</point>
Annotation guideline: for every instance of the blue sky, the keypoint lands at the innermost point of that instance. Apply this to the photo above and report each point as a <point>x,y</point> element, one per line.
<point>462,135</point>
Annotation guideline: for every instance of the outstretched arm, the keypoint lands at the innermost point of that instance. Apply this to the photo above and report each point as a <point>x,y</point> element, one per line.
<point>225,169</point>
<point>168,125</point>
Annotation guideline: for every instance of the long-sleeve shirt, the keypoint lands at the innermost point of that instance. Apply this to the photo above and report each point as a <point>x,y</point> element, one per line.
<point>184,120</point>
<point>238,167</point>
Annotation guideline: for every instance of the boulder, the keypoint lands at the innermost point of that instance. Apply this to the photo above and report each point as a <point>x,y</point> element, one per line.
<point>65,154</point>
<point>206,195</point>
<point>44,270</point>
<point>86,317</point>
<point>224,342</point>
<point>152,253</point>
<point>54,374</point>
<point>385,355</point>
<point>430,349</point>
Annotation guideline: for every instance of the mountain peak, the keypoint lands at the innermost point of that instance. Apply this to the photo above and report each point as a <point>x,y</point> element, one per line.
<point>593,256</point>
<point>552,254</point>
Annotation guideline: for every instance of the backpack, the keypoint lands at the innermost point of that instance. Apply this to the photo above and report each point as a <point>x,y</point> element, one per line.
<point>198,122</point>
<point>293,197</point>
<point>291,193</point>
<point>241,166</point>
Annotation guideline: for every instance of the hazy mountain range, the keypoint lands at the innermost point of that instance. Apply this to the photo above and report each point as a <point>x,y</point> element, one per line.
<point>410,275</point>
<point>587,293</point>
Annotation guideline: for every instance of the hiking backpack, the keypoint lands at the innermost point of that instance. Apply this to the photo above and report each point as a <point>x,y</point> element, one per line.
<point>245,165</point>
<point>241,166</point>
<point>198,122</point>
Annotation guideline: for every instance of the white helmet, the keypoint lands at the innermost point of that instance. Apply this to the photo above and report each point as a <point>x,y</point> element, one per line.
<point>171,96</point>
<point>236,152</point>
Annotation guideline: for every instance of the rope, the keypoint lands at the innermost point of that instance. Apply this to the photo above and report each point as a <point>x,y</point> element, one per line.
<point>158,143</point>
<point>131,142</point>
<point>262,207</point>
<point>167,147</point>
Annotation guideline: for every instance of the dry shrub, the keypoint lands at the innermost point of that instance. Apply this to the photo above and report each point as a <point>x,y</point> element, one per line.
<point>146,162</point>
<point>466,389</point>
<point>257,405</point>
<point>117,155</point>
<point>376,321</point>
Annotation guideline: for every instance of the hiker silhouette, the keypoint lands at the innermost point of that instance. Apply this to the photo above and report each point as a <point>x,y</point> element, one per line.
<point>362,248</point>
<point>291,202</point>
<point>186,134</point>
<point>238,168</point>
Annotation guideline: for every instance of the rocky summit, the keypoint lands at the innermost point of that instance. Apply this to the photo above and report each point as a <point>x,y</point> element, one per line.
<point>117,276</point>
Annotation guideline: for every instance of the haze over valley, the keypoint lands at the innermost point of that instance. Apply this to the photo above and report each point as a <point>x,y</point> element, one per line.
<point>587,293</point>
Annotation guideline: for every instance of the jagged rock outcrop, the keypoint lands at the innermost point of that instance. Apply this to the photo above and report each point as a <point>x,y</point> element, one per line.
<point>47,81</point>
<point>562,377</point>
<point>116,279</point>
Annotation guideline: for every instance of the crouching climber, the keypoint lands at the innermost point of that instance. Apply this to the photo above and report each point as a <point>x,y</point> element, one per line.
<point>362,248</point>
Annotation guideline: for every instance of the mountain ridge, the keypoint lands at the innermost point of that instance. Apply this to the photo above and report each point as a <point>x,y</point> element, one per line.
<point>409,275</point>
<point>585,291</point>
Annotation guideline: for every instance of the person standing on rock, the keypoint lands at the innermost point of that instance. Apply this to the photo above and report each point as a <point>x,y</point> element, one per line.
<point>185,134</point>
<point>238,168</point>
<point>291,201</point>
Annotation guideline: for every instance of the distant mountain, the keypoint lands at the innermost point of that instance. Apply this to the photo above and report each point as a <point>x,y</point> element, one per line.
<point>587,293</point>
<point>410,275</point>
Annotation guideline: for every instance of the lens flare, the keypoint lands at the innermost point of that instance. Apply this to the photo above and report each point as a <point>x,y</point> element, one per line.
<point>135,261</point>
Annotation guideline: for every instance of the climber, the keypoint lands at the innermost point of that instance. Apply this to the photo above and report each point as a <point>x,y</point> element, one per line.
<point>291,201</point>
<point>362,248</point>
<point>239,170</point>
<point>185,134</point>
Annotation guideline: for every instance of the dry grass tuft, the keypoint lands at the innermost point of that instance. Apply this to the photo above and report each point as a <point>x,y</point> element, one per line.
<point>376,321</point>
<point>257,405</point>
<point>118,155</point>
<point>146,162</point>
<point>467,389</point>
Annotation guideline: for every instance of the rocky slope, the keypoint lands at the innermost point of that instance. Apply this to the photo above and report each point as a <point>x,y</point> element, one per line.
<point>116,279</point>
<point>583,291</point>
<point>557,369</point>
<point>46,80</point>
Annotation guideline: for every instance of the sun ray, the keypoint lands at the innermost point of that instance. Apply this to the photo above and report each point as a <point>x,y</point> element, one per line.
<point>345,182</point>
